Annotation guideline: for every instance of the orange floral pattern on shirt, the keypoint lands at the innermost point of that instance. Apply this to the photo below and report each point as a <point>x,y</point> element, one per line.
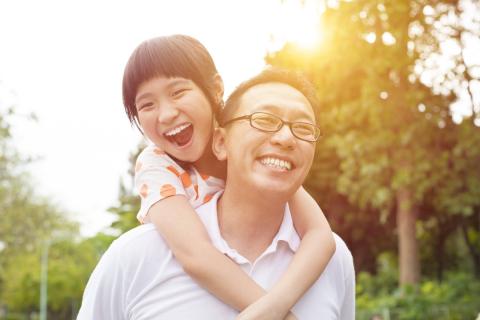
<point>158,176</point>
<point>186,181</point>
<point>207,198</point>
<point>167,190</point>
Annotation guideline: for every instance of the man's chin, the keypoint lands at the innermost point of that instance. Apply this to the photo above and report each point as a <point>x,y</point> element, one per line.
<point>276,188</point>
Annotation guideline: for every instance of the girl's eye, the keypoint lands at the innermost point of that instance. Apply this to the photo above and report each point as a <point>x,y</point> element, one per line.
<point>179,92</point>
<point>145,106</point>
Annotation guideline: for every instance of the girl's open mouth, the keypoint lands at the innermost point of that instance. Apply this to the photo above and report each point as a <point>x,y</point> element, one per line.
<point>180,135</point>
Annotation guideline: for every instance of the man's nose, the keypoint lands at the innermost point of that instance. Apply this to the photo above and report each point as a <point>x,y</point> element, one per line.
<point>284,138</point>
<point>166,113</point>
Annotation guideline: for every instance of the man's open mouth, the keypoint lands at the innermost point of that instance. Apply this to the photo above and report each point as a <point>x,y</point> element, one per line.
<point>277,163</point>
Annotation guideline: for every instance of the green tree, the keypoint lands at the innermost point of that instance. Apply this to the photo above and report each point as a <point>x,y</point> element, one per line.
<point>457,195</point>
<point>128,202</point>
<point>70,264</point>
<point>381,150</point>
<point>27,221</point>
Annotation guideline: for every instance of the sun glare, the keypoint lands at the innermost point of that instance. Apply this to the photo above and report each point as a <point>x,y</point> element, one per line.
<point>307,37</point>
<point>305,27</point>
<point>299,23</point>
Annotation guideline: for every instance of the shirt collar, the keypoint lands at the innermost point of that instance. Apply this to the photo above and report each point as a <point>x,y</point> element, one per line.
<point>209,216</point>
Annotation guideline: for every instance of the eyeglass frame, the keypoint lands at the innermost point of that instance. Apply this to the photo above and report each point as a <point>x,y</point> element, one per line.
<point>283,122</point>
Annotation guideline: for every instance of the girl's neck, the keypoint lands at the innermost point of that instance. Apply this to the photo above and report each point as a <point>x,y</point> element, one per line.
<point>209,164</point>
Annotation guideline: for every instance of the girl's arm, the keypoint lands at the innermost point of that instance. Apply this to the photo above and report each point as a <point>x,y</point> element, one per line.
<point>188,239</point>
<point>182,229</point>
<point>310,260</point>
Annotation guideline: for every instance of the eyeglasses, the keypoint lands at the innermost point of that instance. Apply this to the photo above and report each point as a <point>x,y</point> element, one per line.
<point>271,123</point>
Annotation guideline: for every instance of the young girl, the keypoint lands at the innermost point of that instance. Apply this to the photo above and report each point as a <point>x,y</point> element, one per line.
<point>172,92</point>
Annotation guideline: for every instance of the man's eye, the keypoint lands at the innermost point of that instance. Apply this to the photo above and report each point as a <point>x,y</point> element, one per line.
<point>266,121</point>
<point>304,128</point>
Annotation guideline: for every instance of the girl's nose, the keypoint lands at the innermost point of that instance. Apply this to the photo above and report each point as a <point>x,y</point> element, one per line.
<point>167,113</point>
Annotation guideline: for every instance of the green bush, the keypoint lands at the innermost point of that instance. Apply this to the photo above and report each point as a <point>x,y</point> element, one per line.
<point>455,298</point>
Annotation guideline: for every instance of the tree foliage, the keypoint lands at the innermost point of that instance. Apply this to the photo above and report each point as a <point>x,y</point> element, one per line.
<point>128,202</point>
<point>392,154</point>
<point>28,225</point>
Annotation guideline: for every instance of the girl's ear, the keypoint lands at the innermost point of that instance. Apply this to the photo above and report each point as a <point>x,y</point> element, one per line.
<point>218,144</point>
<point>219,88</point>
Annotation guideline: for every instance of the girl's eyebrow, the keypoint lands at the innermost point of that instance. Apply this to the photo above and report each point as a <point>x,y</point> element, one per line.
<point>142,96</point>
<point>178,81</point>
<point>172,83</point>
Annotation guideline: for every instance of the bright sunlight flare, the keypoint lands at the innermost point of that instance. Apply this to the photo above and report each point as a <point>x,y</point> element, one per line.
<point>299,23</point>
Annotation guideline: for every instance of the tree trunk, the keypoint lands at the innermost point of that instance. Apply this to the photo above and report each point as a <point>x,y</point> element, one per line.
<point>407,238</point>
<point>474,253</point>
<point>439,255</point>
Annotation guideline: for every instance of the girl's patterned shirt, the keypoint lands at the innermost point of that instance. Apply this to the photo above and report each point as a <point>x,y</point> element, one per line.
<point>158,176</point>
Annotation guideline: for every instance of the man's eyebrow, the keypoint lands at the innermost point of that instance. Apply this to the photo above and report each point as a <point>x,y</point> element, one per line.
<point>300,113</point>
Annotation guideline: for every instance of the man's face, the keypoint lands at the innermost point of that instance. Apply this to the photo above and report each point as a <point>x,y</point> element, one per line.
<point>268,161</point>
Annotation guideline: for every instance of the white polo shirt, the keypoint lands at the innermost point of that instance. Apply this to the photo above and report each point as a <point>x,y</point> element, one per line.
<point>138,278</point>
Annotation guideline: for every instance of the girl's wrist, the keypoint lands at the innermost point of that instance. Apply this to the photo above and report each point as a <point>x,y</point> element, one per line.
<point>278,303</point>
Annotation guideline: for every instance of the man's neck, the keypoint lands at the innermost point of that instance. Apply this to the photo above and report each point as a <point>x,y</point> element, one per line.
<point>249,220</point>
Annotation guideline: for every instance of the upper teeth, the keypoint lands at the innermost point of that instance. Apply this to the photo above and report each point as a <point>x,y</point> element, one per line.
<point>177,130</point>
<point>274,162</point>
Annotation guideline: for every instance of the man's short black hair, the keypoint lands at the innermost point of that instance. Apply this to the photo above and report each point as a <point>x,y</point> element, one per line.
<point>270,74</point>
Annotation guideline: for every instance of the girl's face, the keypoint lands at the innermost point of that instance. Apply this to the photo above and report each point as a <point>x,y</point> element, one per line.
<point>176,116</point>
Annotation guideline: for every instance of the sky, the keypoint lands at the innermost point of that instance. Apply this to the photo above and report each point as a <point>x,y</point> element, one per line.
<point>64,60</point>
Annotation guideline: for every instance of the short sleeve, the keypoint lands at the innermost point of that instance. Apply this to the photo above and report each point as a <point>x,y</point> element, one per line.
<point>157,177</point>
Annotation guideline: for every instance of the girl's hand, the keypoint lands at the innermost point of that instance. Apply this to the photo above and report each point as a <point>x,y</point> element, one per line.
<point>265,309</point>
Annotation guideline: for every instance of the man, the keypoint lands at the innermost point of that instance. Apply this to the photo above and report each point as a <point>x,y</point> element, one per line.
<point>267,141</point>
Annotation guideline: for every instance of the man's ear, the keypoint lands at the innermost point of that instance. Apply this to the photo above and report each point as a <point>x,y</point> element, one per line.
<point>218,144</point>
<point>219,88</point>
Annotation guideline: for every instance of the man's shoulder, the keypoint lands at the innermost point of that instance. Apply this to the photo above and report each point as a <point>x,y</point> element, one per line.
<point>331,294</point>
<point>342,255</point>
<point>136,234</point>
<point>138,239</point>
<point>341,246</point>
